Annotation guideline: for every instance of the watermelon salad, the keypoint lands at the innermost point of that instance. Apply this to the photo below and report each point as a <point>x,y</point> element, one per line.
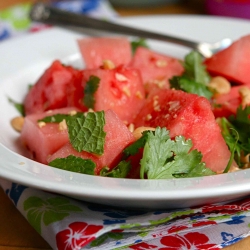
<point>136,113</point>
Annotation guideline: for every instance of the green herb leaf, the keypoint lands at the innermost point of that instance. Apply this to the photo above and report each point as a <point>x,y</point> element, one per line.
<point>19,106</point>
<point>89,91</point>
<point>190,86</point>
<point>134,147</point>
<point>141,42</point>
<point>86,133</point>
<point>74,164</point>
<point>164,158</point>
<point>57,118</point>
<point>236,133</point>
<point>120,171</point>
<point>195,69</point>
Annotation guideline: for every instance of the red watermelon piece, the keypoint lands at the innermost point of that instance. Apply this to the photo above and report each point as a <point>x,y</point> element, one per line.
<point>117,138</point>
<point>191,116</point>
<point>233,62</point>
<point>45,140</point>
<point>156,69</point>
<point>97,49</point>
<point>227,104</point>
<point>120,89</point>
<point>50,91</point>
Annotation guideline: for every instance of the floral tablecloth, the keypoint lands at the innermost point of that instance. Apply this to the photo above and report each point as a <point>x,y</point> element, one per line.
<point>69,224</point>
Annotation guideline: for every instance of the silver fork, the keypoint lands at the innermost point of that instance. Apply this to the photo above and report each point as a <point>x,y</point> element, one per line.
<point>44,13</point>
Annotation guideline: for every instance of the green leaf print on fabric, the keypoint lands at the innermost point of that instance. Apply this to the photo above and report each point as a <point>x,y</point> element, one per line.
<point>47,211</point>
<point>172,216</point>
<point>100,240</point>
<point>17,16</point>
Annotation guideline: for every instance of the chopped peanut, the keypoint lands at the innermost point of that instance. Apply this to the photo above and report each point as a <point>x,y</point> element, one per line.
<point>41,124</point>
<point>245,96</point>
<point>108,64</point>
<point>131,127</point>
<point>62,125</point>
<point>17,123</point>
<point>220,85</point>
<point>161,63</point>
<point>121,77</point>
<point>72,112</point>
<point>138,131</point>
<point>126,91</point>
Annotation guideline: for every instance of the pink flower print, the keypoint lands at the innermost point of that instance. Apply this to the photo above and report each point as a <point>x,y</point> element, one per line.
<point>191,241</point>
<point>77,235</point>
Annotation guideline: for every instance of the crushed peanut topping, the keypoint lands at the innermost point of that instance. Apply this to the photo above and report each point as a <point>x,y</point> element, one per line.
<point>108,64</point>
<point>138,131</point>
<point>245,96</point>
<point>139,94</point>
<point>174,105</point>
<point>62,125</point>
<point>126,91</point>
<point>148,117</point>
<point>17,123</point>
<point>131,127</point>
<point>161,63</point>
<point>120,77</point>
<point>220,85</point>
<point>72,112</point>
<point>41,124</point>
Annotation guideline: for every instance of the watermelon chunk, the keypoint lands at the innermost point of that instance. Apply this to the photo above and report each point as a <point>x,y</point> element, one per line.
<point>227,104</point>
<point>117,138</point>
<point>46,139</point>
<point>191,116</point>
<point>120,89</point>
<point>50,91</point>
<point>156,69</point>
<point>233,62</point>
<point>97,49</point>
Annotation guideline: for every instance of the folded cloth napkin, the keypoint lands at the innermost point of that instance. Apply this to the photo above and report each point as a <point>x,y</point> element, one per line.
<point>15,21</point>
<point>69,224</point>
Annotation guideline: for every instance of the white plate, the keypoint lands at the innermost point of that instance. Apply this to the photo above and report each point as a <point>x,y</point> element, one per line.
<point>24,59</point>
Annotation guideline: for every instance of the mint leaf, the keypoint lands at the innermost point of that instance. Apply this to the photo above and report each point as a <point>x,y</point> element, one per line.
<point>19,106</point>
<point>86,133</point>
<point>57,118</point>
<point>74,164</point>
<point>190,86</point>
<point>89,91</point>
<point>164,158</point>
<point>134,147</point>
<point>141,42</point>
<point>195,69</point>
<point>120,171</point>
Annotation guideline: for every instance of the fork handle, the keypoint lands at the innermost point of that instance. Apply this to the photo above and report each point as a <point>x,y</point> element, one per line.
<point>44,13</point>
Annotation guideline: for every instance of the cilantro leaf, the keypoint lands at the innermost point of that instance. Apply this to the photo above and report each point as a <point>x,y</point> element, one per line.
<point>120,171</point>
<point>141,42</point>
<point>86,132</point>
<point>195,77</point>
<point>19,106</point>
<point>190,86</point>
<point>236,133</point>
<point>164,158</point>
<point>89,91</point>
<point>195,69</point>
<point>74,164</point>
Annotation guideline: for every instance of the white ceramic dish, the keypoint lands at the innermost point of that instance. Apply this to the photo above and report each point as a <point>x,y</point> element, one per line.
<point>24,59</point>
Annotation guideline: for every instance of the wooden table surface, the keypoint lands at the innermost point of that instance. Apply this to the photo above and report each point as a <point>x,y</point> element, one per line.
<point>15,231</point>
